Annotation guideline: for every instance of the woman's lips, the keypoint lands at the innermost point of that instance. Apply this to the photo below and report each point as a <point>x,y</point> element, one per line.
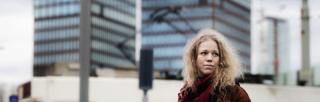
<point>208,66</point>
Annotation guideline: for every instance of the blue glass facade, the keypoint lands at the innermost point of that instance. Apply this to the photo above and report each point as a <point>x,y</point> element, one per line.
<point>168,36</point>
<point>113,33</point>
<point>57,32</point>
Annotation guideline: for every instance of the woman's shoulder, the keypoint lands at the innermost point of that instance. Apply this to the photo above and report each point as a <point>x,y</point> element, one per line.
<point>236,88</point>
<point>238,93</point>
<point>183,92</point>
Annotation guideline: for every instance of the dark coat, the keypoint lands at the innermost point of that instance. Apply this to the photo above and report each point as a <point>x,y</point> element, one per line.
<point>233,93</point>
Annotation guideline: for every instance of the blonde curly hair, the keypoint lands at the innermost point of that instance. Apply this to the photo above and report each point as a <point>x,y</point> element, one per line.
<point>229,65</point>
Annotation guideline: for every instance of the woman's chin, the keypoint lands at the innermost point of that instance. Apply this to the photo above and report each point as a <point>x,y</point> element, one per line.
<point>207,72</point>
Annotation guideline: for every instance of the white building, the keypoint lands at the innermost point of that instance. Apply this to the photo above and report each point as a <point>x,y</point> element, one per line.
<point>274,50</point>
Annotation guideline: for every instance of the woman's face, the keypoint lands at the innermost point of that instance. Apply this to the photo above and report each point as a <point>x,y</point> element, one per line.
<point>207,57</point>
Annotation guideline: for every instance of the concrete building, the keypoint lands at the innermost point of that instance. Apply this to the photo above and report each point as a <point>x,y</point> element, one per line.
<point>57,33</point>
<point>274,50</point>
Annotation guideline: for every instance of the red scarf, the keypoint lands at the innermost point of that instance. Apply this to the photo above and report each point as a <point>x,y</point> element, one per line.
<point>200,91</point>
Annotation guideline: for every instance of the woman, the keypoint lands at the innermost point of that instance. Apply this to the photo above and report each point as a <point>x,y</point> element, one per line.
<point>210,69</point>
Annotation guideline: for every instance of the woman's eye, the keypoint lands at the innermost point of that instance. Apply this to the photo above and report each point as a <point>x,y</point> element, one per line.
<point>215,54</point>
<point>204,53</point>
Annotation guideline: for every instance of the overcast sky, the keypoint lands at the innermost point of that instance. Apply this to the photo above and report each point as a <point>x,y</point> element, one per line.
<point>16,34</point>
<point>16,40</point>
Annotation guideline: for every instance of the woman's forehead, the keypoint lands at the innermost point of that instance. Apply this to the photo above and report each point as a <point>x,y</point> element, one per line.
<point>208,45</point>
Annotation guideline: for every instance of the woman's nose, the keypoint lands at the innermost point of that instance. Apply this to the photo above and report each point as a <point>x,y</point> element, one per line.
<point>209,58</point>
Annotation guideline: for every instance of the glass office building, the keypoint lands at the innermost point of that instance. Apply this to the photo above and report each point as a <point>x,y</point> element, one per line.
<point>57,33</point>
<point>168,24</point>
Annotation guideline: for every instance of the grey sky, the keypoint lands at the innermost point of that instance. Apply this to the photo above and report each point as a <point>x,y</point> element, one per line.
<point>16,23</point>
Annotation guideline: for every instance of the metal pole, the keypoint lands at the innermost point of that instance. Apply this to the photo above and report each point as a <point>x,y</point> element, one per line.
<point>145,95</point>
<point>138,30</point>
<point>305,73</point>
<point>276,57</point>
<point>85,32</point>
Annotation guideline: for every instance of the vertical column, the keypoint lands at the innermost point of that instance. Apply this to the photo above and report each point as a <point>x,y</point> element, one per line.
<point>85,43</point>
<point>305,72</point>
<point>138,30</point>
